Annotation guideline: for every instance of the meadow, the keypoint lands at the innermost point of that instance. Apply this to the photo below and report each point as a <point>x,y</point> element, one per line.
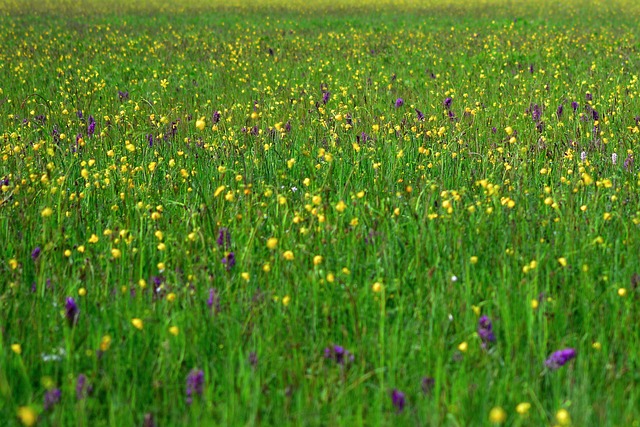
<point>319,213</point>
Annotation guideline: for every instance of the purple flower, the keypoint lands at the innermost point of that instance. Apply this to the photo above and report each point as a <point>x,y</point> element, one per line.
<point>71,311</point>
<point>325,96</point>
<point>614,158</point>
<point>91,126</point>
<point>51,397</point>
<point>399,102</point>
<point>575,106</point>
<point>494,130</point>
<point>485,330</point>
<point>588,96</point>
<point>427,384</point>
<point>214,301</point>
<point>253,359</point>
<point>79,114</point>
<point>229,260</point>
<point>398,400</point>
<point>216,117</point>
<point>195,384</point>
<point>150,139</point>
<point>339,354</point>
<point>224,238</point>
<point>35,253</point>
<point>419,114</point>
<point>447,102</point>
<point>123,95</point>
<point>628,162</point>
<point>559,358</point>
<point>536,112</point>
<point>559,111</point>
<point>82,388</point>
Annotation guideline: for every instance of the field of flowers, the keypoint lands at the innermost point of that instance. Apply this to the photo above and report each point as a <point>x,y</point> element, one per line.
<point>319,213</point>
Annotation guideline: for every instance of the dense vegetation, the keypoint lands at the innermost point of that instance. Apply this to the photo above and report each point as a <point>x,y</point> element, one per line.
<point>319,213</point>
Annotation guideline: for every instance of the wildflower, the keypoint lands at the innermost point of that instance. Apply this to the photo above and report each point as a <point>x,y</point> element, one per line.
<point>399,102</point>
<point>628,164</point>
<point>398,400</point>
<point>51,397</point>
<point>286,300</point>
<point>195,384</point>
<point>229,260</point>
<point>497,415</point>
<point>16,348</point>
<point>200,123</point>
<point>27,416</point>
<point>137,323</point>
<point>523,408</point>
<point>563,418</point>
<point>82,388</point>
<point>325,96</point>
<point>339,354</point>
<point>214,301</point>
<point>174,330</point>
<point>559,111</point>
<point>575,106</point>
<point>427,384</point>
<point>46,212</point>
<point>559,358</point>
<point>224,238</point>
<point>288,255</point>
<point>485,330</point>
<point>91,126</point>
<point>35,253</point>
<point>447,102</point>
<point>71,311</point>
<point>419,114</point>
<point>253,359</point>
<point>614,158</point>
<point>272,242</point>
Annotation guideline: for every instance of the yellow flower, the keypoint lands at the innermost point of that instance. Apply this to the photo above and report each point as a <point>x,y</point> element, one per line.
<point>341,206</point>
<point>219,190</point>
<point>246,276</point>
<point>563,418</point>
<point>200,123</point>
<point>317,260</point>
<point>473,259</point>
<point>286,300</point>
<point>171,297</point>
<point>288,255</point>
<point>497,415</point>
<point>174,330</point>
<point>272,243</point>
<point>523,408</point>
<point>94,239</point>
<point>377,287</point>
<point>13,263</point>
<point>463,346</point>
<point>105,343</point>
<point>562,261</point>
<point>509,130</point>
<point>137,323</point>
<point>16,348</point>
<point>46,212</point>
<point>622,292</point>
<point>27,416</point>
<point>82,292</point>
<point>116,253</point>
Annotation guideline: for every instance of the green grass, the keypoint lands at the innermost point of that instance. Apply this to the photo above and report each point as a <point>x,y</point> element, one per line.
<point>402,232</point>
